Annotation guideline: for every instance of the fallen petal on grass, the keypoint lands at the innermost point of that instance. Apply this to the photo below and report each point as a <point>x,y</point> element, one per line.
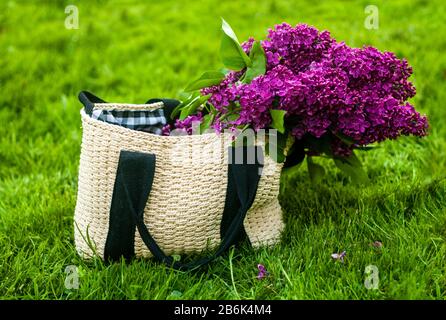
<point>377,244</point>
<point>262,271</point>
<point>339,256</point>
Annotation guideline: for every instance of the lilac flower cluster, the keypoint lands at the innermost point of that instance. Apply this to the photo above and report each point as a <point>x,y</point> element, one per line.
<point>326,87</point>
<point>185,126</point>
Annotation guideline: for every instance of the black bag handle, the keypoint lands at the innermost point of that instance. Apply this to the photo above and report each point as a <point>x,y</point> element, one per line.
<point>243,180</point>
<point>88,99</point>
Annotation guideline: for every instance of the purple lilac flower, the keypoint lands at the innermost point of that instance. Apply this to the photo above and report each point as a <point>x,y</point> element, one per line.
<point>326,87</point>
<point>165,131</point>
<point>185,125</point>
<point>298,47</point>
<point>224,93</point>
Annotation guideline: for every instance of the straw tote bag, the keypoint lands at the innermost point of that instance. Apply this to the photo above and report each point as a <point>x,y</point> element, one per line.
<point>147,195</point>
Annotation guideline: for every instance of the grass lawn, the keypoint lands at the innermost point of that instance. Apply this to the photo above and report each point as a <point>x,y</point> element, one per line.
<point>130,51</point>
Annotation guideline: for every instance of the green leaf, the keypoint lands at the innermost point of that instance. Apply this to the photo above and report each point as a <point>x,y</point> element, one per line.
<point>278,120</point>
<point>233,117</point>
<point>258,67</point>
<point>187,109</point>
<point>232,54</point>
<point>191,97</point>
<point>192,107</point>
<point>367,148</point>
<point>207,79</point>
<point>346,139</point>
<point>316,171</point>
<point>289,144</point>
<point>352,167</point>
<point>183,95</point>
<point>224,70</point>
<point>206,122</point>
<point>353,161</point>
<point>321,145</point>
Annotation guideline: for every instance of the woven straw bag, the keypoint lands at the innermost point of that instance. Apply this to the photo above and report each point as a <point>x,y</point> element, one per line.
<point>188,193</point>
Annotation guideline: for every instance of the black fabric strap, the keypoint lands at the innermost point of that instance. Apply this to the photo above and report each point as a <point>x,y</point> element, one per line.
<point>243,179</point>
<point>131,190</point>
<point>88,100</point>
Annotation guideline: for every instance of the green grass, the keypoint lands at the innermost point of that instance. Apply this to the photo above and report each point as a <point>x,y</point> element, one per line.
<point>130,51</point>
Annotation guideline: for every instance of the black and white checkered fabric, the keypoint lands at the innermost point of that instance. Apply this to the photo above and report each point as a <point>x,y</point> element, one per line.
<point>143,120</point>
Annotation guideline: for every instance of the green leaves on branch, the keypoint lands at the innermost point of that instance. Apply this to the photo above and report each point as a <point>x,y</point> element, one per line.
<point>189,99</point>
<point>258,67</point>
<point>347,140</point>
<point>207,79</point>
<point>206,122</point>
<point>231,52</point>
<point>367,148</point>
<point>192,107</point>
<point>189,106</point>
<point>321,145</point>
<point>352,167</point>
<point>234,57</point>
<point>280,142</point>
<point>278,120</point>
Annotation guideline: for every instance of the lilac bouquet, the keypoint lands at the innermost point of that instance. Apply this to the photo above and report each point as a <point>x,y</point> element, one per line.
<point>322,95</point>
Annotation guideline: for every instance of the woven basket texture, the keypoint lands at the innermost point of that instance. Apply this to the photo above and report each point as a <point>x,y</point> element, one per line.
<point>185,206</point>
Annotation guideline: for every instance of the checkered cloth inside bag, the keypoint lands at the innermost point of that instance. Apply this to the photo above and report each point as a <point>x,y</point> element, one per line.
<point>143,120</point>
